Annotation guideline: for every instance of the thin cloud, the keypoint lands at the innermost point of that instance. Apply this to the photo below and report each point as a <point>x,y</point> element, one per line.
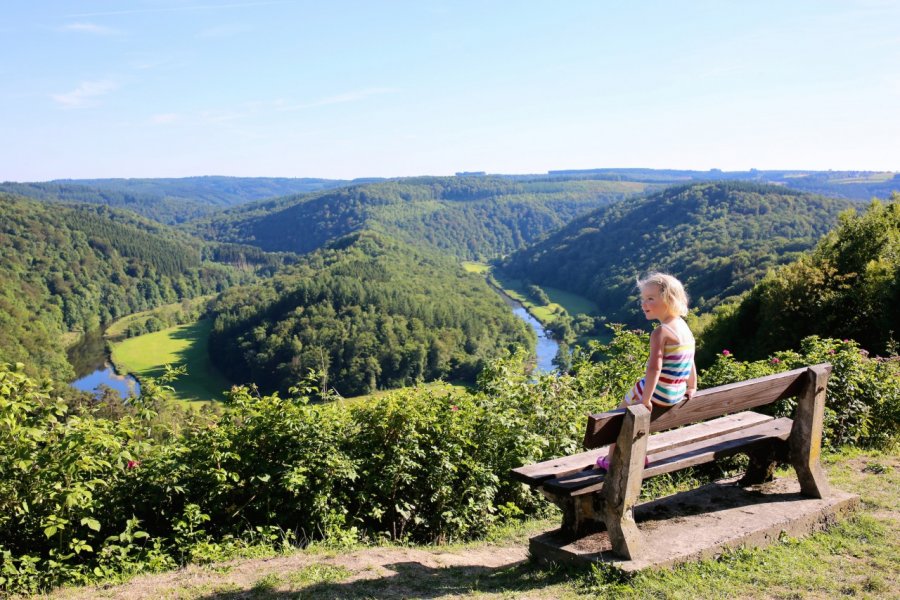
<point>190,7</point>
<point>352,96</point>
<point>85,94</point>
<point>91,28</point>
<point>165,118</point>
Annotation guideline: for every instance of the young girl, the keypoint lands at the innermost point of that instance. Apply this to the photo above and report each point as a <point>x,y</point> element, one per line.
<point>671,374</point>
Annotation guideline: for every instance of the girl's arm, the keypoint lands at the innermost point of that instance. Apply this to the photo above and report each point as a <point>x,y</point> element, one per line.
<point>654,366</point>
<point>692,381</point>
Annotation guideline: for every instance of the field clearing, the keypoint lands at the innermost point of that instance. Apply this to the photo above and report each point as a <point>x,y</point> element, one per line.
<point>475,267</point>
<point>147,355</point>
<point>118,328</point>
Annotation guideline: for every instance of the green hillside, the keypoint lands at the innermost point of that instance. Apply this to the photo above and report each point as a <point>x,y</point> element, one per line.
<point>368,312</point>
<point>469,217</point>
<point>68,268</point>
<point>847,287</point>
<point>719,238</point>
<point>169,200</point>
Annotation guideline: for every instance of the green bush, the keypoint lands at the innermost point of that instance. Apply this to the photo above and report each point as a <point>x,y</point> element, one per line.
<point>862,404</point>
<point>86,498</point>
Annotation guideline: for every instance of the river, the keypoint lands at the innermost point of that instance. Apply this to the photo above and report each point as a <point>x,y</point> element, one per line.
<point>93,369</point>
<point>547,347</point>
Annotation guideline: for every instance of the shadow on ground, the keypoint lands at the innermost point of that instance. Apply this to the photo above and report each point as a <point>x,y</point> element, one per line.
<point>414,580</point>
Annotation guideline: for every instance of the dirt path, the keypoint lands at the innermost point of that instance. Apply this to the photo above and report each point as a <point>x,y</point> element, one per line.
<point>368,573</point>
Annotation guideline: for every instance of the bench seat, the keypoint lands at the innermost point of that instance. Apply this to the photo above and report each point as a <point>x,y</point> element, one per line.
<point>668,460</point>
<point>538,473</point>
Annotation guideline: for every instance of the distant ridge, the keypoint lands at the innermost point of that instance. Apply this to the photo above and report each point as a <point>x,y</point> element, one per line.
<point>719,238</point>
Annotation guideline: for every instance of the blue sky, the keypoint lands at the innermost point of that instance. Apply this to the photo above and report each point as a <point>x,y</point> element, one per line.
<point>341,89</point>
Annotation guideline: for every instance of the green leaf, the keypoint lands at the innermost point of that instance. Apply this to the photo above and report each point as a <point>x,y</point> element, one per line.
<point>51,531</point>
<point>91,523</point>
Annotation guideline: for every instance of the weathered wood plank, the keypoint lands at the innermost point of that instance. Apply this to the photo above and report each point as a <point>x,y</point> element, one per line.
<point>536,473</point>
<point>806,436</point>
<point>623,482</point>
<point>668,461</point>
<point>603,428</point>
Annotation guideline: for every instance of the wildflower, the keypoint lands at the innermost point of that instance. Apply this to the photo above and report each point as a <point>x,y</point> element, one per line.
<point>454,407</point>
<point>132,464</point>
<point>726,352</point>
<point>831,351</point>
<point>776,360</point>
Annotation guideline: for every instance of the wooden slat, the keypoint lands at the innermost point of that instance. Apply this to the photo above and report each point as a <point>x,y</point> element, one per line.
<point>668,461</point>
<point>603,428</point>
<point>536,473</point>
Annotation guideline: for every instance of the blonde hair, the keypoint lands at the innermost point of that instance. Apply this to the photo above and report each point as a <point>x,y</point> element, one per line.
<point>670,290</point>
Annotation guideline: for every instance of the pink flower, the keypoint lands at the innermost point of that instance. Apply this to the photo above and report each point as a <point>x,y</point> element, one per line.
<point>831,351</point>
<point>133,464</point>
<point>726,352</point>
<point>454,407</point>
<point>775,361</point>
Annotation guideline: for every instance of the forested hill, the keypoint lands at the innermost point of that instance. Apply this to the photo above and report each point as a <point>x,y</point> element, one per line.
<point>848,287</point>
<point>369,312</point>
<point>169,200</point>
<point>469,217</point>
<point>68,268</point>
<point>719,238</point>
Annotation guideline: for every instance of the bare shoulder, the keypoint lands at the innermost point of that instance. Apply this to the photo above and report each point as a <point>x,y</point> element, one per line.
<point>659,335</point>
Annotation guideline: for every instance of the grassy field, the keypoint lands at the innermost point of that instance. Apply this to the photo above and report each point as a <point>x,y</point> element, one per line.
<point>165,312</point>
<point>147,355</point>
<point>560,300</point>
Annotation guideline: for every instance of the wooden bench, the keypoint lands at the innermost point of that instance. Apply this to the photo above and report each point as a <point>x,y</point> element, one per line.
<point>713,424</point>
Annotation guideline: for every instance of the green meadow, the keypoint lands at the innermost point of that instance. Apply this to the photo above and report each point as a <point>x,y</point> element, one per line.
<point>146,356</point>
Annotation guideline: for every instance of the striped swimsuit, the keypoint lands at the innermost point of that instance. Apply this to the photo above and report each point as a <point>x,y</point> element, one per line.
<point>677,361</point>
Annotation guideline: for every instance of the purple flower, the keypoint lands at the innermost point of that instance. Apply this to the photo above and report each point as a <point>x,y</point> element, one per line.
<point>132,464</point>
<point>775,361</point>
<point>726,352</point>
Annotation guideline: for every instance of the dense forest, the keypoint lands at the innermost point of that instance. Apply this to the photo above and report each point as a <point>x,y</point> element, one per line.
<point>469,217</point>
<point>169,200</point>
<point>366,312</point>
<point>75,267</point>
<point>719,238</point>
<point>847,287</point>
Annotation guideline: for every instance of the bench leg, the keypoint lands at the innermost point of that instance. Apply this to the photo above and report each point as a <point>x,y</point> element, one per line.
<point>579,516</point>
<point>623,482</point>
<point>763,461</point>
<point>806,434</point>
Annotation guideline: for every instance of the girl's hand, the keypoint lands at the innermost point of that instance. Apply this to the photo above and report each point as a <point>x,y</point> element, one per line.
<point>689,393</point>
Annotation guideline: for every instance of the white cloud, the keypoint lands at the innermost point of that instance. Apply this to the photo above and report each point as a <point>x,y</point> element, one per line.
<point>91,28</point>
<point>85,93</point>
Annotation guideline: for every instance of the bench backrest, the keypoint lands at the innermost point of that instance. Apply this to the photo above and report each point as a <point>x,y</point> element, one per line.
<point>603,428</point>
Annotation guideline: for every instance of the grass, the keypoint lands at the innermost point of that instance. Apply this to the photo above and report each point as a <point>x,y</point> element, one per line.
<point>147,355</point>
